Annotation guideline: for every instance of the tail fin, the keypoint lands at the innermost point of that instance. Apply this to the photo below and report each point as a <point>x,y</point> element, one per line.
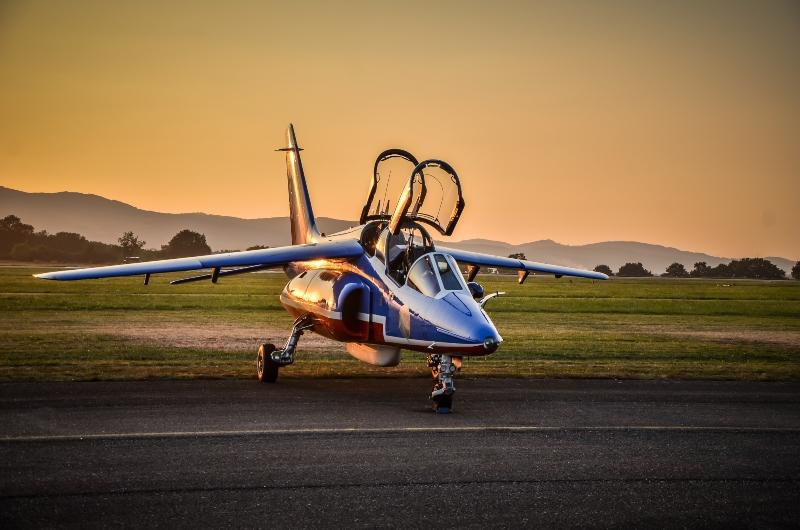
<point>301,215</point>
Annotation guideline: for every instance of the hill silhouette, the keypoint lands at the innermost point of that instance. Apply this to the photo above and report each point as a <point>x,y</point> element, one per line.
<point>656,258</point>
<point>101,219</point>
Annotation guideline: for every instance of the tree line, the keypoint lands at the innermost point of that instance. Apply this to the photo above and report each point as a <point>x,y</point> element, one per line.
<point>754,268</point>
<point>20,242</point>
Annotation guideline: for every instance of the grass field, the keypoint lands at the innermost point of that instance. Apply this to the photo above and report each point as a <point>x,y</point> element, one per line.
<point>648,328</point>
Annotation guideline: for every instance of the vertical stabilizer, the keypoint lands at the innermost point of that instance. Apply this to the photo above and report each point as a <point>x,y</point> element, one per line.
<point>301,215</point>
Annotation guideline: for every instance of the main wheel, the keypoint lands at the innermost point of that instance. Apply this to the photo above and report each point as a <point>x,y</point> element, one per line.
<point>266,368</point>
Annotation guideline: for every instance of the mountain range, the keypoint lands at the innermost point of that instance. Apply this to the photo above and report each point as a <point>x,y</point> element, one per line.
<point>101,219</point>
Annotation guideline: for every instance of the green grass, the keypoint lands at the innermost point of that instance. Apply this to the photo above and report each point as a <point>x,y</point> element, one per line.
<point>648,328</point>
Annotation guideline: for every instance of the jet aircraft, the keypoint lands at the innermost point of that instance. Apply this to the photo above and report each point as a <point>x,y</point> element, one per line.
<point>380,287</point>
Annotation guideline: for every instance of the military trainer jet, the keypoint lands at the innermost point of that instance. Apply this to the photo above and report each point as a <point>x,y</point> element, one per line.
<point>380,287</point>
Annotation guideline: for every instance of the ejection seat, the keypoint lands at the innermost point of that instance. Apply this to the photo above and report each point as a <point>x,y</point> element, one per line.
<point>396,262</point>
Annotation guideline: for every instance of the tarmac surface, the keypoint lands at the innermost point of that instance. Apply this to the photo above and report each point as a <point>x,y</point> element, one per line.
<point>370,453</point>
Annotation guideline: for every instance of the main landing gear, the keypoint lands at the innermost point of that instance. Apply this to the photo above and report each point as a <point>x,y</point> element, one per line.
<point>269,359</point>
<point>443,369</point>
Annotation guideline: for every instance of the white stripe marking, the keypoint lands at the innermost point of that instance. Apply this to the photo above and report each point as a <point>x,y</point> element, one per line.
<point>396,430</point>
<point>378,319</point>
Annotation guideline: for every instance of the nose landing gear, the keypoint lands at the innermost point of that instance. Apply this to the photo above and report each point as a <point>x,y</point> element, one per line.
<point>443,369</point>
<point>269,359</point>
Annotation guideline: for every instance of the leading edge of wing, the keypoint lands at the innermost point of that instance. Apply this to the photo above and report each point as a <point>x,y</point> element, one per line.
<point>269,256</point>
<point>488,260</point>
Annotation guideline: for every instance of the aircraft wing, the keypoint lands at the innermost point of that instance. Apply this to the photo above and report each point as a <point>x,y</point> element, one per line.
<point>487,260</point>
<point>265,257</point>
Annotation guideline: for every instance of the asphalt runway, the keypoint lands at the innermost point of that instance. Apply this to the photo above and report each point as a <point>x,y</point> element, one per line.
<point>369,453</point>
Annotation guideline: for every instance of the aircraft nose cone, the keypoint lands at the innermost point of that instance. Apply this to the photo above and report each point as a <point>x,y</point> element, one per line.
<point>490,344</point>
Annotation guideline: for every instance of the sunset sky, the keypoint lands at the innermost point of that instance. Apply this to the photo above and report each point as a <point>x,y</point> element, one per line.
<point>675,123</point>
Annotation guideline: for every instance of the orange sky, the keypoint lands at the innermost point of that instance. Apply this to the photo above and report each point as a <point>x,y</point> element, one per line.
<point>667,122</point>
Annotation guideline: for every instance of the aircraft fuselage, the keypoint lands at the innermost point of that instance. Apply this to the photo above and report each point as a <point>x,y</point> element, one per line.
<point>357,302</point>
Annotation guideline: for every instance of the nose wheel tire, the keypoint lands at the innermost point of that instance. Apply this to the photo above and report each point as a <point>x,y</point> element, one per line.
<point>266,368</point>
<point>443,403</point>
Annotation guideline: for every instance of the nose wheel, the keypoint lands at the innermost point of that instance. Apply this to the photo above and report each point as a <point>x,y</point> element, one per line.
<point>442,403</point>
<point>443,370</point>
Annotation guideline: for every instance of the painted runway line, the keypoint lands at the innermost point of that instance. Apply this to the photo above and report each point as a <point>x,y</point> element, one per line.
<point>394,430</point>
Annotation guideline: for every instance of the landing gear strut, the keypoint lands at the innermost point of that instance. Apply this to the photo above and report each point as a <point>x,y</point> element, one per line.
<point>443,368</point>
<point>269,359</point>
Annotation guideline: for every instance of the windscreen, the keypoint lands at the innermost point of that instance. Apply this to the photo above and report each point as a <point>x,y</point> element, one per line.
<point>423,278</point>
<point>448,274</point>
<point>390,175</point>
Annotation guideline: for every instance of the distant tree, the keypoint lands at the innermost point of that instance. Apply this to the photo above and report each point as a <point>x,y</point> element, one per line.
<point>67,243</point>
<point>131,244</point>
<point>12,232</point>
<point>676,270</point>
<point>19,241</point>
<point>722,270</point>
<point>518,255</point>
<point>605,269</point>
<point>186,243</point>
<point>12,223</point>
<point>258,247</point>
<point>756,268</point>
<point>633,270</point>
<point>701,270</point>
<point>97,252</point>
<point>796,271</point>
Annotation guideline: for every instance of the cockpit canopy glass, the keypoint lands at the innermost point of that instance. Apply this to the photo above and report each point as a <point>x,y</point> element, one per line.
<point>389,177</point>
<point>436,196</point>
<point>403,190</point>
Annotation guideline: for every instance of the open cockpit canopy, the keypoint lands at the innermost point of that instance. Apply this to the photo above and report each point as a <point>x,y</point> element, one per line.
<point>403,190</point>
<point>389,177</point>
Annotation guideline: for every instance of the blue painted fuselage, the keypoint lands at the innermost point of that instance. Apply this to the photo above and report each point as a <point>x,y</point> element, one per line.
<point>357,301</point>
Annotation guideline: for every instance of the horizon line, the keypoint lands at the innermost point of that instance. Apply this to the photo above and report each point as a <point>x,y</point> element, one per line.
<point>450,239</point>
